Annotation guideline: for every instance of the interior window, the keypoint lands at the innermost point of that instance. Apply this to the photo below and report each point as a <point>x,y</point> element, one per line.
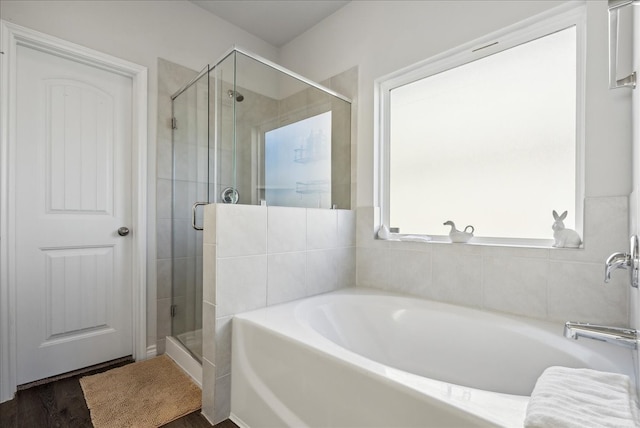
<point>298,163</point>
<point>491,142</point>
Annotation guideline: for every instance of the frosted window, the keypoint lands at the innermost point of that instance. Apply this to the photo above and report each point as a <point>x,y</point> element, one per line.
<point>298,164</point>
<point>490,143</point>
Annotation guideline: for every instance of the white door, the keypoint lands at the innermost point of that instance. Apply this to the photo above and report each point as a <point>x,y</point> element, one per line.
<point>73,192</point>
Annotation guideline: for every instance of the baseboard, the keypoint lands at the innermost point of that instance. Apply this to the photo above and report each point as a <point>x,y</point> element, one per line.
<point>152,351</point>
<point>236,420</point>
<point>204,415</point>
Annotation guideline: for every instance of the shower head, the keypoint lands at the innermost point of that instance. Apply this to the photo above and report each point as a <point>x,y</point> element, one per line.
<point>238,96</point>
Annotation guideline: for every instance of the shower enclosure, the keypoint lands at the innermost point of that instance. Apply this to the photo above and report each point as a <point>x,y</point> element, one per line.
<point>248,131</point>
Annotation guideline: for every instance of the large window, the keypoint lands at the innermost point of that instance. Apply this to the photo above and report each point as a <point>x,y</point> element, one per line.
<point>488,137</point>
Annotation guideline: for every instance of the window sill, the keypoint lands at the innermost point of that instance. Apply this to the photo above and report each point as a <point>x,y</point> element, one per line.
<point>483,242</point>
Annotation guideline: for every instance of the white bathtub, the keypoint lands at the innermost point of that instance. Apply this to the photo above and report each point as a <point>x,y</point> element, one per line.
<point>363,358</point>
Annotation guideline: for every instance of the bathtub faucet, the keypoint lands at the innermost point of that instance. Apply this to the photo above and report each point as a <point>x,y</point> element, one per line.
<point>615,261</point>
<point>618,336</point>
<point>622,260</point>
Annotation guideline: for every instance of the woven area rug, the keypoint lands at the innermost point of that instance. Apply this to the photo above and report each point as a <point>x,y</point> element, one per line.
<point>145,394</point>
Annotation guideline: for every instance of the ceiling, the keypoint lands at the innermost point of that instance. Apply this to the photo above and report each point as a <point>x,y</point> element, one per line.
<point>274,21</point>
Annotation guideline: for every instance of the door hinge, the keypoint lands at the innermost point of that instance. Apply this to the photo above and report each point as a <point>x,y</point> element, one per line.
<point>173,310</point>
<point>174,123</point>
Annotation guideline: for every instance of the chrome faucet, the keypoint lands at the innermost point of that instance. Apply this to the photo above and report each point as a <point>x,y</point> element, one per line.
<point>615,261</point>
<point>618,336</point>
<point>622,260</point>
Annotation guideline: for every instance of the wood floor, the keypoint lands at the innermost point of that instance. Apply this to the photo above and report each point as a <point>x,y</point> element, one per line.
<point>61,404</point>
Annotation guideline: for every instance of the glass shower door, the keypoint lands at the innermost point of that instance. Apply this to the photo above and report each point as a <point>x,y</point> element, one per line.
<point>190,185</point>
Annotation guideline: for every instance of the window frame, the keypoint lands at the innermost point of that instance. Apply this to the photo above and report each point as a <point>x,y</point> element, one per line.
<point>564,16</point>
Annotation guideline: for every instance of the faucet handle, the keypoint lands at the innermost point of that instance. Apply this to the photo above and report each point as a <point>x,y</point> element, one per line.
<point>622,260</point>
<point>634,261</point>
<point>615,261</point>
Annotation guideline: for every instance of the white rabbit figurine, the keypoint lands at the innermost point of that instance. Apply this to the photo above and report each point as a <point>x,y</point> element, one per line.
<point>564,238</point>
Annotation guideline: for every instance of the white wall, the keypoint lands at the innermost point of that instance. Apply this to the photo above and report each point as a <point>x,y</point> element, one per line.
<point>382,36</point>
<point>140,32</point>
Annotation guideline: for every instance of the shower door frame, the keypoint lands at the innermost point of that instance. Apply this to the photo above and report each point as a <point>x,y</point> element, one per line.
<point>204,73</point>
<point>13,36</point>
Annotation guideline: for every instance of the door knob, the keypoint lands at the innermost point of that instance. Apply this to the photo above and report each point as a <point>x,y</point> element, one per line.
<point>123,231</point>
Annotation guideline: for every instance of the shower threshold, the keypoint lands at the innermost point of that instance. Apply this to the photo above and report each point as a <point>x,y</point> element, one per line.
<point>183,358</point>
<point>192,340</point>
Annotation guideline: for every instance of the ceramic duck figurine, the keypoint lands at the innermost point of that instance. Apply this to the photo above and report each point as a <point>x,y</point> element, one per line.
<point>457,235</point>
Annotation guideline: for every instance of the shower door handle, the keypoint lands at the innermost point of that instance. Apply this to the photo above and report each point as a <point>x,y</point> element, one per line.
<point>194,208</point>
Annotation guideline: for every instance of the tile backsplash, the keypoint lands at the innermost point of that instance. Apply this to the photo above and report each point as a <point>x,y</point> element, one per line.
<point>544,283</point>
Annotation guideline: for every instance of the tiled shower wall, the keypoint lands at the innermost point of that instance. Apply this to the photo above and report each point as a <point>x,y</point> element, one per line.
<point>544,283</point>
<point>257,109</point>
<point>256,256</point>
<point>172,77</point>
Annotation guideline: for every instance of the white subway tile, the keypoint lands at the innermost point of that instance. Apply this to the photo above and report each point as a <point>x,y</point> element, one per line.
<point>365,234</point>
<point>164,318</point>
<point>241,284</point>
<point>163,198</point>
<point>399,271</point>
<point>208,388</point>
<point>181,200</point>
<point>322,229</point>
<point>372,268</point>
<point>516,285</point>
<point>346,266</point>
<point>179,246</point>
<point>241,230</point>
<point>457,277</point>
<point>223,345</point>
<point>409,272</point>
<point>286,277</point>
<point>321,275</point>
<point>180,279</point>
<point>164,166</point>
<point>208,328</point>
<point>222,398</point>
<point>163,234</point>
<point>209,273</point>
<point>286,229</point>
<point>577,292</point>
<point>346,228</point>
<point>209,224</point>
<point>164,279</point>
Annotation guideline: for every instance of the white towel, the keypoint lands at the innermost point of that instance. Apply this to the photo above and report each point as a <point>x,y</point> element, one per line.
<point>568,398</point>
<point>384,234</point>
<point>415,238</point>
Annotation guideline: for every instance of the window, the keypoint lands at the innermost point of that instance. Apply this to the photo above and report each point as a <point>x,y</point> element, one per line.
<point>298,163</point>
<point>487,135</point>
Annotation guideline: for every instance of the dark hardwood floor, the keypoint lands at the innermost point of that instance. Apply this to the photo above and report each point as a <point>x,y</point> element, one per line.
<point>60,403</point>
